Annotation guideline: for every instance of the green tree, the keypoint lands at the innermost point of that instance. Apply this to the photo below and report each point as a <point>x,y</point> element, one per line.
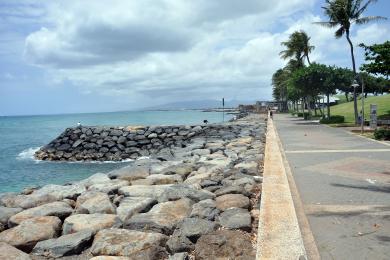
<point>377,57</point>
<point>342,14</point>
<point>297,47</point>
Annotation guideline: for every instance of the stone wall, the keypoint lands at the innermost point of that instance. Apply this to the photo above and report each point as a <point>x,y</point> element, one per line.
<point>117,143</point>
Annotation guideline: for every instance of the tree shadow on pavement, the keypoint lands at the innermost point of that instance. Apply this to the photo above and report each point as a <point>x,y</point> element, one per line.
<point>374,188</point>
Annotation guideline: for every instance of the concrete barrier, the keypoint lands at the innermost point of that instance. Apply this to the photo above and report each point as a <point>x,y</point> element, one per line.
<point>279,235</point>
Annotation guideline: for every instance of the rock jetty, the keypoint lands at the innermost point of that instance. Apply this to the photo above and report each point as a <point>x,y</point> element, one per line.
<point>119,143</point>
<point>199,198</point>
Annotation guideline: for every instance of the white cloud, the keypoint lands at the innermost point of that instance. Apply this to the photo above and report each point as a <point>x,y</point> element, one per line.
<point>169,49</point>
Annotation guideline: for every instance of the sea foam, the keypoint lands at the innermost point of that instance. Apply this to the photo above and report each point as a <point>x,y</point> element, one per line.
<point>27,154</point>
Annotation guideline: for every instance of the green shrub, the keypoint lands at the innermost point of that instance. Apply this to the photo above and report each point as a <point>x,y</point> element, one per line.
<point>300,114</point>
<point>382,134</point>
<point>333,120</point>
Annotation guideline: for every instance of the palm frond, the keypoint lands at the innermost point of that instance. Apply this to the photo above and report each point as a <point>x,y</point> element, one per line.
<point>364,7</point>
<point>329,24</point>
<point>367,19</point>
<point>340,32</point>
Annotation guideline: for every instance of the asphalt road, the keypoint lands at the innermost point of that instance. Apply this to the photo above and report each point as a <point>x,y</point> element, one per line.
<point>344,184</point>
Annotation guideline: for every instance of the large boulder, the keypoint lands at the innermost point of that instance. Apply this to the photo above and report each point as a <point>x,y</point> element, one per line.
<point>162,218</point>
<point>179,243</point>
<point>148,191</point>
<point>225,244</point>
<point>6,213</point>
<point>178,191</point>
<point>106,257</point>
<point>158,179</point>
<point>94,202</point>
<point>9,252</point>
<point>94,222</point>
<point>231,190</point>
<point>130,173</point>
<point>130,243</point>
<point>108,187</point>
<point>206,209</point>
<point>65,245</point>
<point>58,208</point>
<point>97,178</point>
<point>193,228</point>
<point>227,201</point>
<point>31,231</point>
<point>236,218</point>
<point>26,201</point>
<point>61,192</point>
<point>133,205</point>
<point>182,169</point>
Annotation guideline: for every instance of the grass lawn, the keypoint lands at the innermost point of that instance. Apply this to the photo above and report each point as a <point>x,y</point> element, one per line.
<point>346,109</point>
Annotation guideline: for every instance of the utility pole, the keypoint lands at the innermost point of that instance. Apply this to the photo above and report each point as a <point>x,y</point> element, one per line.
<point>223,109</point>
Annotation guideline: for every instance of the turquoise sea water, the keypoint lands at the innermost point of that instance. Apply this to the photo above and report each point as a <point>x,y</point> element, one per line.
<point>21,136</point>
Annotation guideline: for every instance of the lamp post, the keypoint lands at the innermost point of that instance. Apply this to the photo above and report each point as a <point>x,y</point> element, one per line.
<point>355,85</point>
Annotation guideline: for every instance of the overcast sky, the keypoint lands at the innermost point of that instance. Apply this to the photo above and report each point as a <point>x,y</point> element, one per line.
<point>89,56</point>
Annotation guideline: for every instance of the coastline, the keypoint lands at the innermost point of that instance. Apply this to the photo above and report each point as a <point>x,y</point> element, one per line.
<point>208,189</point>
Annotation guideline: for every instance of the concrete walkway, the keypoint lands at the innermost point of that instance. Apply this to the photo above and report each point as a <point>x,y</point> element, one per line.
<point>344,183</point>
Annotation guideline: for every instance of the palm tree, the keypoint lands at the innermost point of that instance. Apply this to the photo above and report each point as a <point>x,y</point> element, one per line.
<point>297,47</point>
<point>342,14</point>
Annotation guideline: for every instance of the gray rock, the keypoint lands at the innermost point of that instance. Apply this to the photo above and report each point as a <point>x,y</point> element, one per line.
<point>201,152</point>
<point>65,245</point>
<point>178,191</point>
<point>227,201</point>
<point>159,179</point>
<point>179,243</point>
<point>77,143</point>
<point>94,222</point>
<point>116,132</point>
<point>152,135</point>
<point>58,208</point>
<point>225,244</point>
<point>121,140</point>
<point>94,202</point>
<point>63,147</point>
<point>9,252</point>
<point>133,205</point>
<point>130,243</point>
<point>179,256</point>
<point>148,191</point>
<point>26,201</point>
<point>130,173</point>
<point>109,187</point>
<point>97,178</point>
<point>205,209</point>
<point>193,228</point>
<point>6,213</point>
<point>31,231</point>
<point>231,190</point>
<point>61,192</point>
<point>236,218</point>
<point>162,218</point>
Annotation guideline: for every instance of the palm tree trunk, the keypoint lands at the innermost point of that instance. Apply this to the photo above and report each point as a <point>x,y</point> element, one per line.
<point>308,60</point>
<point>354,72</point>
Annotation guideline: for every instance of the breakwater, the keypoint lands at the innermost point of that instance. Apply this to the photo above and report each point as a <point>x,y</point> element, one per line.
<point>119,143</point>
<point>200,200</point>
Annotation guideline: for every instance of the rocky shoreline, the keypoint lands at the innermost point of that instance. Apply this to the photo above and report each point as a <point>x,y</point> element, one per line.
<point>197,197</point>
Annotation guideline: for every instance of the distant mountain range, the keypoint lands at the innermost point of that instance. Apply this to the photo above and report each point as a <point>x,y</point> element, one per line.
<point>199,104</point>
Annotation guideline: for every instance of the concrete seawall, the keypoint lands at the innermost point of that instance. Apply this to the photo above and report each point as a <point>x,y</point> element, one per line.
<point>279,235</point>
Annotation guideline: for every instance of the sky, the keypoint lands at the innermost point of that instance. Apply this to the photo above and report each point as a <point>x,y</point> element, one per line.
<point>71,56</point>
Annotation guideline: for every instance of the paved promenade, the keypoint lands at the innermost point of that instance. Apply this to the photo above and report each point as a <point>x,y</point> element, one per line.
<point>344,184</point>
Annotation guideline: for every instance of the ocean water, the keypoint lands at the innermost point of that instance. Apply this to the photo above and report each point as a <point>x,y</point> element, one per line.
<point>21,136</point>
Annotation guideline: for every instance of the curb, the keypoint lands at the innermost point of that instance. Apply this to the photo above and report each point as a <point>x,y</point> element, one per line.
<point>279,234</point>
